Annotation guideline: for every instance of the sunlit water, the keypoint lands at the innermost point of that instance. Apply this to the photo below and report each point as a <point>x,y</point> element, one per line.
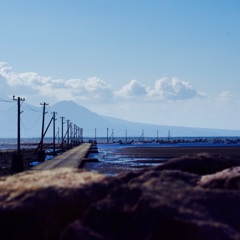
<point>112,162</point>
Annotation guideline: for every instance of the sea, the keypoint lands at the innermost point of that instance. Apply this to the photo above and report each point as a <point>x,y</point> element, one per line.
<point>111,162</point>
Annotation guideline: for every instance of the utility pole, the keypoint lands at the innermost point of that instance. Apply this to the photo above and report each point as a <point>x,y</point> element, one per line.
<point>62,149</point>
<point>74,134</point>
<point>81,129</point>
<point>71,135</point>
<point>41,153</point>
<point>58,135</point>
<point>17,163</point>
<point>95,135</point>
<point>107,135</point>
<point>54,134</point>
<point>68,135</point>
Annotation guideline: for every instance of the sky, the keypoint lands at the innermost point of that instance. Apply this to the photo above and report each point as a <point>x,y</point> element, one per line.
<point>165,62</point>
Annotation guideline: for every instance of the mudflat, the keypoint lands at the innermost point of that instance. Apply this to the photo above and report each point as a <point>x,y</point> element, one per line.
<point>172,152</point>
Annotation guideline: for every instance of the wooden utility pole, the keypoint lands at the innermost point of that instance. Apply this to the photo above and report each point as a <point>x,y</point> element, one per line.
<point>54,134</point>
<point>43,122</point>
<point>62,148</point>
<point>95,135</point>
<point>107,135</point>
<point>68,133</point>
<point>17,162</point>
<point>41,152</point>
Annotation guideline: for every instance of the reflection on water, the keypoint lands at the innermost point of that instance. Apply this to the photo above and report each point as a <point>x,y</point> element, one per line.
<point>112,161</point>
<point>114,158</point>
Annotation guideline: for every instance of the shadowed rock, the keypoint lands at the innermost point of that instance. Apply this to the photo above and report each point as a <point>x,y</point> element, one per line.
<point>226,179</point>
<point>37,205</point>
<point>201,164</point>
<point>159,205</point>
<point>153,203</point>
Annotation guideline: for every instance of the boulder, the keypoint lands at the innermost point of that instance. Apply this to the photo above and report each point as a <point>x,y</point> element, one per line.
<point>201,164</point>
<point>159,205</point>
<point>38,205</point>
<point>165,202</point>
<point>226,179</point>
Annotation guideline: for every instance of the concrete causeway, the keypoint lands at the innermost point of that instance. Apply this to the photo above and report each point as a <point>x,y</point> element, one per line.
<point>70,159</point>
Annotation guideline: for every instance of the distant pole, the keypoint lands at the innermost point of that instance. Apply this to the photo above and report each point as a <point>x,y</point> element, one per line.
<point>68,135</point>
<point>62,134</point>
<point>107,135</point>
<point>126,135</point>
<point>18,161</point>
<point>78,135</point>
<point>95,135</point>
<point>157,135</point>
<point>74,134</point>
<point>54,134</point>
<point>43,120</point>
<point>113,135</point>
<point>81,135</point>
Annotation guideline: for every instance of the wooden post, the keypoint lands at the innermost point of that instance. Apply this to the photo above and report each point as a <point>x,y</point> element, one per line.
<point>54,134</point>
<point>17,161</point>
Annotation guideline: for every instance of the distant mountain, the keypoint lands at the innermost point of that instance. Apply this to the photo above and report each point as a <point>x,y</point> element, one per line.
<point>175,131</point>
<point>31,123</point>
<point>80,115</point>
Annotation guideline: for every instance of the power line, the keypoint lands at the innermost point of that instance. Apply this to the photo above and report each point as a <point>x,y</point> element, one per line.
<point>28,107</point>
<point>8,110</point>
<point>4,100</point>
<point>34,124</point>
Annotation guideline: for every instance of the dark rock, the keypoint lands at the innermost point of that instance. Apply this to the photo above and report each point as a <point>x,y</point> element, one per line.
<point>159,205</point>
<point>200,164</point>
<point>38,205</point>
<point>226,179</point>
<point>153,203</point>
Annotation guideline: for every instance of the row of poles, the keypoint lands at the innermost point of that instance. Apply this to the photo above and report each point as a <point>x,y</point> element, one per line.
<point>111,136</point>
<point>72,137</point>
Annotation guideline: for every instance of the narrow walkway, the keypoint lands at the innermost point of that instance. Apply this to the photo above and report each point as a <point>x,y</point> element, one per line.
<point>70,159</point>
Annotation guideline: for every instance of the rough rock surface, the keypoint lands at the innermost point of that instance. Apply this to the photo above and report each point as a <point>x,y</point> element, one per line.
<point>201,164</point>
<point>226,179</point>
<point>154,203</point>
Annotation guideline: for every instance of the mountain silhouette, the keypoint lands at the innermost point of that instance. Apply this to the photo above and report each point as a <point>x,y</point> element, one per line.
<point>91,122</point>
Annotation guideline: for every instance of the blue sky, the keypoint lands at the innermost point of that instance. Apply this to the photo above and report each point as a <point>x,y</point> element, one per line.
<point>171,62</point>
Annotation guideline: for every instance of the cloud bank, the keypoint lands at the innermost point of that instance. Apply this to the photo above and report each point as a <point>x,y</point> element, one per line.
<point>92,89</point>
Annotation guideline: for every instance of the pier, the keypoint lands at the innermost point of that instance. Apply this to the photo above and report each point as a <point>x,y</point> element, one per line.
<point>71,159</point>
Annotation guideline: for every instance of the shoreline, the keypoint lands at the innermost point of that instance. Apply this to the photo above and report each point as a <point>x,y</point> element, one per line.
<point>161,152</point>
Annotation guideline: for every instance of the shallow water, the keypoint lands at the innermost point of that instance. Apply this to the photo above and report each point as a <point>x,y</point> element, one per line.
<point>112,162</point>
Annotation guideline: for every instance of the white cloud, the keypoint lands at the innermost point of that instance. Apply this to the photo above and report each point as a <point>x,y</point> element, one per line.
<point>58,89</point>
<point>132,89</point>
<point>31,84</point>
<point>173,89</point>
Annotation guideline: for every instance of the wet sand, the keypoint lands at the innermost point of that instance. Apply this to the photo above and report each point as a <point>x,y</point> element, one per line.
<point>135,158</point>
<point>172,152</point>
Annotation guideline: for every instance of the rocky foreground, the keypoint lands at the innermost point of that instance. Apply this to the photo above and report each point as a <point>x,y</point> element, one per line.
<point>184,198</point>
